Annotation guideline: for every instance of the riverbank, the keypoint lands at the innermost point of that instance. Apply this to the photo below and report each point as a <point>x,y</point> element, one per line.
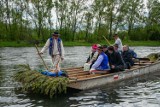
<point>79,43</point>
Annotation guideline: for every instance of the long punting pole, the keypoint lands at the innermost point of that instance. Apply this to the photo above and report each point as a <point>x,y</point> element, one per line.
<point>41,58</point>
<point>107,40</point>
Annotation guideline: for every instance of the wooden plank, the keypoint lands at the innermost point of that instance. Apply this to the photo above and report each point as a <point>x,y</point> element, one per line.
<point>70,73</point>
<point>91,76</point>
<point>142,63</point>
<point>76,72</point>
<point>83,73</point>
<point>90,81</point>
<point>72,68</point>
<point>85,77</point>
<point>146,59</point>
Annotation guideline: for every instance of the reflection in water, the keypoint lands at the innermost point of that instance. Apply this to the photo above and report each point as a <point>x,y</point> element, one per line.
<point>138,92</point>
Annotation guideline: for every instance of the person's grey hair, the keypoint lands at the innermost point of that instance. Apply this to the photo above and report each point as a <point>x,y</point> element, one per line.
<point>126,46</point>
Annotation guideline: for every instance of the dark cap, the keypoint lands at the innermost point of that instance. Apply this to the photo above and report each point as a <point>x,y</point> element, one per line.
<point>55,34</point>
<point>105,46</point>
<point>100,48</point>
<point>116,45</point>
<point>115,35</point>
<point>111,48</point>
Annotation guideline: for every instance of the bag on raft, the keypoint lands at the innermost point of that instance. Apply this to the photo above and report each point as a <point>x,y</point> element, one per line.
<point>55,74</point>
<point>62,73</point>
<point>48,73</point>
<point>86,67</point>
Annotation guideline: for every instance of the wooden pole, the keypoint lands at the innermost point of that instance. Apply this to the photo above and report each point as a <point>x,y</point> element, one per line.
<point>107,40</point>
<point>41,58</point>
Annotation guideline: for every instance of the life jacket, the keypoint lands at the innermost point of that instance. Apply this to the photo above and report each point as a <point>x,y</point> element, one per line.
<point>104,64</point>
<point>51,46</point>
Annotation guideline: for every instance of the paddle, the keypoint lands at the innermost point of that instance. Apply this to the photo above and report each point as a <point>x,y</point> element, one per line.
<point>41,58</point>
<point>107,40</point>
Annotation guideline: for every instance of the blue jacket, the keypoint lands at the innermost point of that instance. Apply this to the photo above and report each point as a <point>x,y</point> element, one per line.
<point>101,63</point>
<point>134,55</point>
<point>51,46</point>
<point>127,56</point>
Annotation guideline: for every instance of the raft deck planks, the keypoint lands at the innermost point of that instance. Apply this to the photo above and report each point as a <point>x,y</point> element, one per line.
<point>83,80</point>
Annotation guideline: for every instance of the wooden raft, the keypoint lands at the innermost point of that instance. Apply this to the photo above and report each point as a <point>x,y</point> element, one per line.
<point>78,73</point>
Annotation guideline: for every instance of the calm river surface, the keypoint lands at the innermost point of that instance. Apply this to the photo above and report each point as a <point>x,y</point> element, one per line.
<point>137,92</point>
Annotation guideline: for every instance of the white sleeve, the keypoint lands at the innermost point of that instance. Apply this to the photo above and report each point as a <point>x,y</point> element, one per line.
<point>62,49</point>
<point>117,42</point>
<point>98,62</point>
<point>45,46</point>
<point>94,56</point>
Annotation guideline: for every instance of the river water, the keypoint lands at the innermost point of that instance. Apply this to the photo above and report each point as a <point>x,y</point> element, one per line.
<point>137,92</point>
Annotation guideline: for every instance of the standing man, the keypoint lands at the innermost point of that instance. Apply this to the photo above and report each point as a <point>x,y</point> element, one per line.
<point>56,50</point>
<point>118,42</point>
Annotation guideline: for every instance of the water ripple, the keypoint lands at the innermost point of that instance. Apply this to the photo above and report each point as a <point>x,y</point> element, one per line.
<point>138,92</point>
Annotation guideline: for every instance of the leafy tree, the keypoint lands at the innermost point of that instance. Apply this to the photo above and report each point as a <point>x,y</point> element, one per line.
<point>134,13</point>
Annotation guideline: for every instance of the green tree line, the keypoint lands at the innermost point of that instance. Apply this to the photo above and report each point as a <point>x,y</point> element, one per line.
<point>79,20</point>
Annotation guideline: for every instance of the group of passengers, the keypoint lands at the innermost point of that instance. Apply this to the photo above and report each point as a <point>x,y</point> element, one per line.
<point>114,58</point>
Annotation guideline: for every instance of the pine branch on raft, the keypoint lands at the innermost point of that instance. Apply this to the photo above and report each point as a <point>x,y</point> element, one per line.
<point>35,82</point>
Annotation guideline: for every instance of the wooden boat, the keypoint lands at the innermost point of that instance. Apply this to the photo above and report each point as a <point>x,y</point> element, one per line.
<point>82,80</point>
<point>35,82</point>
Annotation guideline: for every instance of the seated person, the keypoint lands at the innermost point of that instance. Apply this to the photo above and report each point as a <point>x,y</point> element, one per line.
<point>116,48</point>
<point>101,64</point>
<point>128,56</point>
<point>92,57</point>
<point>115,60</point>
<point>105,49</point>
<point>134,55</point>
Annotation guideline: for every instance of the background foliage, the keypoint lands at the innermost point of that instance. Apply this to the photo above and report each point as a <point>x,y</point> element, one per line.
<point>79,20</point>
